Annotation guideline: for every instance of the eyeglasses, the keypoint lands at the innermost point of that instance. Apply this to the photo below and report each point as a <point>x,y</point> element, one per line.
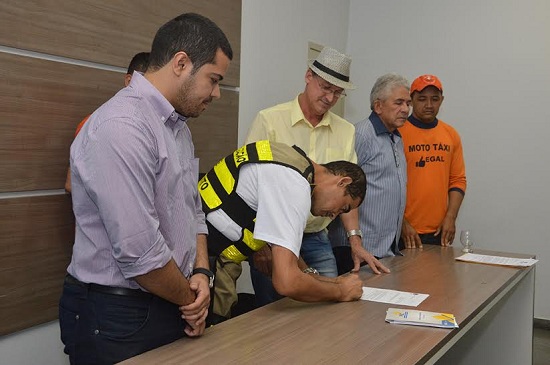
<point>326,89</point>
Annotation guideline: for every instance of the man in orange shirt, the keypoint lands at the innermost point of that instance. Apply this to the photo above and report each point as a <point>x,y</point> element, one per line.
<point>138,63</point>
<point>436,178</point>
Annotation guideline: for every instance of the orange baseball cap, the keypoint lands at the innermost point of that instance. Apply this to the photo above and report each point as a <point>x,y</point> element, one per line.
<point>421,82</point>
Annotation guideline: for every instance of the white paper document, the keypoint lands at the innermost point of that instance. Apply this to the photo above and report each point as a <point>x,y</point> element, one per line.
<point>496,260</point>
<point>392,296</point>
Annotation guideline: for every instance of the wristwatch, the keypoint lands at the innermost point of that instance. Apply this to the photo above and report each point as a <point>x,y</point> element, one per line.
<point>210,274</point>
<point>354,232</point>
<point>310,270</point>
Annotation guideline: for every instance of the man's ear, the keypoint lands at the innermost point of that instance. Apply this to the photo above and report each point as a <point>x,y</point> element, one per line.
<point>181,63</point>
<point>344,181</point>
<point>376,106</point>
<point>127,79</point>
<point>308,76</point>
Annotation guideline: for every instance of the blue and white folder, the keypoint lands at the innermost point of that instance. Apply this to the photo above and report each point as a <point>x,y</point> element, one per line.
<point>420,318</point>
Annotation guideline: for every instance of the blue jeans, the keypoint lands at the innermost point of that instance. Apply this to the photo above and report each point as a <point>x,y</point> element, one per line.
<point>318,254</point>
<point>100,328</point>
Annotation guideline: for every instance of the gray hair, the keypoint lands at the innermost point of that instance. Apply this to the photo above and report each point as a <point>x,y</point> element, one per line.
<point>384,85</point>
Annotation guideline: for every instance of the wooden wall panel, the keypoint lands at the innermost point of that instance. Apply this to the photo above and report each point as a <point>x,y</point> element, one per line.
<point>41,103</point>
<point>215,130</point>
<point>106,31</point>
<point>36,236</point>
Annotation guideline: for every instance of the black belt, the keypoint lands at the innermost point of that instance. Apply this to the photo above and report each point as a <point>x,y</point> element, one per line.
<point>313,233</point>
<point>69,279</point>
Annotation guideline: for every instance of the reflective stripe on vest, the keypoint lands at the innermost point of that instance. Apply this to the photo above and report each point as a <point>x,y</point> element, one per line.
<point>233,253</point>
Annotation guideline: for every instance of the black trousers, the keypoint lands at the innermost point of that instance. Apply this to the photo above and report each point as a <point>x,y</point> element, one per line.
<point>426,239</point>
<point>344,262</point>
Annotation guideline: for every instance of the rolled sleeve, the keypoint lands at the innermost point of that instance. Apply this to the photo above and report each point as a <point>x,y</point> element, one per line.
<point>133,262</point>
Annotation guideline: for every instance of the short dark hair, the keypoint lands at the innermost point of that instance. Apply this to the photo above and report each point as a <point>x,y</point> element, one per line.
<point>358,186</point>
<point>192,33</point>
<point>139,63</point>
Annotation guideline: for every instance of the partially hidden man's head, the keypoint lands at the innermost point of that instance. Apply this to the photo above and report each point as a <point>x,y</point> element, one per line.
<point>196,54</point>
<point>139,63</point>
<point>340,189</point>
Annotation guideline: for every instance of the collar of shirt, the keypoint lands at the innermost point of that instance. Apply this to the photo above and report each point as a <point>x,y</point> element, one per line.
<point>379,126</point>
<point>297,115</point>
<point>166,112</point>
<point>417,123</point>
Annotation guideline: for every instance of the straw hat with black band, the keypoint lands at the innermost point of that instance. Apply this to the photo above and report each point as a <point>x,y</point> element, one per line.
<point>333,67</point>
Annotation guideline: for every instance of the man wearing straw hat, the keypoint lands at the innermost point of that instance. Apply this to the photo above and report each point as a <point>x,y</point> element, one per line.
<point>308,123</point>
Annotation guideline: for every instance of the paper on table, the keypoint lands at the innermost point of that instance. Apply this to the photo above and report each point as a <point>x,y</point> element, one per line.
<point>496,260</point>
<point>392,296</point>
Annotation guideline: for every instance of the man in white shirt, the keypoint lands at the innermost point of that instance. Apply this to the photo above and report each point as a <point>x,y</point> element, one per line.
<point>263,194</point>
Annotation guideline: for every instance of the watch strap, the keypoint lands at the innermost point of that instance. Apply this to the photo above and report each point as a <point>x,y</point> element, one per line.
<point>354,232</point>
<point>208,273</point>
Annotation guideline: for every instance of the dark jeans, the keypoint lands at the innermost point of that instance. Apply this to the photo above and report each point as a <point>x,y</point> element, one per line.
<point>430,239</point>
<point>344,262</point>
<point>317,252</point>
<point>100,328</point>
<point>426,239</point>
<point>263,286</point>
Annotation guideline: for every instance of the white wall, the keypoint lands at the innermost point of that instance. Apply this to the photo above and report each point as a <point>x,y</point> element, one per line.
<point>493,58</point>
<point>39,345</point>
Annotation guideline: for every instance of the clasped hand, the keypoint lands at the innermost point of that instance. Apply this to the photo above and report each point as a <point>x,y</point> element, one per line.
<point>196,312</point>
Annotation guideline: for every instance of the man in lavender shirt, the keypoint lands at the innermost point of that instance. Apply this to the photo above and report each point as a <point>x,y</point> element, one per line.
<point>138,277</point>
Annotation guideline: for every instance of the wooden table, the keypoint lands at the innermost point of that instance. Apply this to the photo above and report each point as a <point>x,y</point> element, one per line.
<point>493,306</point>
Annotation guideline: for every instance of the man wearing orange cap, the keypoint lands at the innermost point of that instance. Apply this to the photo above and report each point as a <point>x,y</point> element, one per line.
<point>436,178</point>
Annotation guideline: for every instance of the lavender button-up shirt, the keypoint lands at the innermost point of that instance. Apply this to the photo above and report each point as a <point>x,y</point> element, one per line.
<point>134,189</point>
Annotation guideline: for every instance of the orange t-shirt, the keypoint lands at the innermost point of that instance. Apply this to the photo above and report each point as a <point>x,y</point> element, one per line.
<point>435,166</point>
<point>80,125</point>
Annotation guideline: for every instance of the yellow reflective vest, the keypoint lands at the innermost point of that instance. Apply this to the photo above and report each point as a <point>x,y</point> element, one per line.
<point>218,190</point>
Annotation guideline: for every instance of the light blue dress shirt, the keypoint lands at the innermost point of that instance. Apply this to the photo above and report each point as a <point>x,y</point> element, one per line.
<point>380,154</point>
